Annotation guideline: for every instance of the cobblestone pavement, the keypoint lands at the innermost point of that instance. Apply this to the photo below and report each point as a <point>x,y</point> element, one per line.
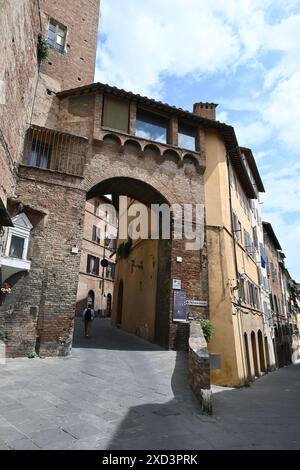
<point>117,391</point>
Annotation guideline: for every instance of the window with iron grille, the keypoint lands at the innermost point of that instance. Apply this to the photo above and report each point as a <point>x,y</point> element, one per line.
<point>39,154</point>
<point>57,36</point>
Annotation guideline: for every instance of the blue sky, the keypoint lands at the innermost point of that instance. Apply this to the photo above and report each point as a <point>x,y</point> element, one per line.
<point>243,55</point>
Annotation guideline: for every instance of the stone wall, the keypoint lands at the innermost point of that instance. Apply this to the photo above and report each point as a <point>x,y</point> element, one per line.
<point>19,26</point>
<point>76,66</point>
<point>149,177</point>
<point>199,367</point>
<point>39,313</point>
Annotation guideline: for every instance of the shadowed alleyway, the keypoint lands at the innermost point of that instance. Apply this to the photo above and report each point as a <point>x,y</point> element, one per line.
<point>119,392</point>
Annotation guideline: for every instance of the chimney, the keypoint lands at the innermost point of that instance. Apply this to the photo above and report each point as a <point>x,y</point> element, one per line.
<point>206,110</point>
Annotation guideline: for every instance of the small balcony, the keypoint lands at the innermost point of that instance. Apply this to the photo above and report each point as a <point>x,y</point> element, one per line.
<point>10,266</point>
<point>48,149</point>
<point>13,258</point>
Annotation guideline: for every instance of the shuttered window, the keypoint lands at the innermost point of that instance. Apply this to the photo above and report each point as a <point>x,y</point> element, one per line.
<point>93,265</point>
<point>115,114</point>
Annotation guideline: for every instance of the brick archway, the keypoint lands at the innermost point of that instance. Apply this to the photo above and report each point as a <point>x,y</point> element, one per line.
<point>60,199</point>
<point>161,314</point>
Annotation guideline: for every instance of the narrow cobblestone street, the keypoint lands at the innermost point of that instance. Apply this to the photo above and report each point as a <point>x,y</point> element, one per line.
<point>120,392</point>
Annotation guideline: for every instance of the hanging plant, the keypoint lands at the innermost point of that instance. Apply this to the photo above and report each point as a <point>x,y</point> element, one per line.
<point>5,288</point>
<point>124,249</point>
<point>42,48</point>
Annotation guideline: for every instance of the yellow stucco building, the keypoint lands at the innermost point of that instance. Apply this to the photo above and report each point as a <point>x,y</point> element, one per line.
<point>240,347</point>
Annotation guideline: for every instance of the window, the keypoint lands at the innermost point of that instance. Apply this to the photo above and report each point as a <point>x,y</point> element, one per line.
<point>111,243</point>
<point>93,265</point>
<point>57,36</point>
<point>255,238</point>
<point>115,114</point>
<point>187,137</point>
<point>39,154</point>
<point>151,126</point>
<point>248,243</point>
<point>237,228</point>
<point>18,237</point>
<point>271,302</point>
<point>96,235</point>
<point>241,288</point>
<point>16,249</point>
<point>110,271</point>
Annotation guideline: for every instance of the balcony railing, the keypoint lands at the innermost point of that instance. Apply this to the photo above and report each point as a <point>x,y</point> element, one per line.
<point>53,150</point>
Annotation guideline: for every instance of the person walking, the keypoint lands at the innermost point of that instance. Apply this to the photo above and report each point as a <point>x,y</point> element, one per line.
<point>88,316</point>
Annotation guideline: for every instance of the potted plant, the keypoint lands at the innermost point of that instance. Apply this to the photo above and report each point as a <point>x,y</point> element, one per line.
<point>5,288</point>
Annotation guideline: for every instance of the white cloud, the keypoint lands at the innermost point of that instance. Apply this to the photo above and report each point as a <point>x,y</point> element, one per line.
<point>263,154</point>
<point>255,133</point>
<point>222,116</point>
<point>288,234</point>
<point>281,207</point>
<point>148,41</point>
<point>282,112</point>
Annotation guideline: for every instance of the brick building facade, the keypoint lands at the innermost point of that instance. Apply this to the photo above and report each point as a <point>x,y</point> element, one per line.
<point>284,322</point>
<point>19,26</point>
<point>96,282</point>
<point>78,141</point>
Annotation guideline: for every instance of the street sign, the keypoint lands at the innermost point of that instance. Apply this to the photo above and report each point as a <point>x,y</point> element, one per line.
<point>179,302</point>
<point>104,263</point>
<point>176,284</point>
<point>197,303</point>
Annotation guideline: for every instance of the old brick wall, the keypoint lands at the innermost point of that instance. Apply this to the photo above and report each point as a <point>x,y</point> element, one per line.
<point>62,198</point>
<point>47,295</point>
<point>113,161</point>
<point>19,26</point>
<point>77,66</point>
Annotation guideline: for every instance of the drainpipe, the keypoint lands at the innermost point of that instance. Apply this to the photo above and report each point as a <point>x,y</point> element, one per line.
<point>235,261</point>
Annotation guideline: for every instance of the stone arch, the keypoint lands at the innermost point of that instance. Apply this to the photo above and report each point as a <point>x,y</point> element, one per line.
<point>91,298</point>
<point>107,170</point>
<point>170,162</point>
<point>154,323</point>
<point>152,150</point>
<point>172,156</point>
<point>131,187</point>
<point>103,166</point>
<point>191,165</point>
<point>132,146</point>
<point>112,139</point>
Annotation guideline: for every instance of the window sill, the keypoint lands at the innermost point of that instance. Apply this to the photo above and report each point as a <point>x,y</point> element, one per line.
<point>11,266</point>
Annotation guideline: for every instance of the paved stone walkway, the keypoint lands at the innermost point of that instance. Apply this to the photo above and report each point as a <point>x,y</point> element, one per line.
<point>120,392</point>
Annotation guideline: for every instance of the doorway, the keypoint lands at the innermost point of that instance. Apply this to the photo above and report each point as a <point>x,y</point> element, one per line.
<point>91,298</point>
<point>261,351</point>
<point>108,305</point>
<point>247,357</point>
<point>254,354</point>
<point>120,303</point>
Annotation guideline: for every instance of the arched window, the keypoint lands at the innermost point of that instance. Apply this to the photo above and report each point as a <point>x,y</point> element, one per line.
<point>91,298</point>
